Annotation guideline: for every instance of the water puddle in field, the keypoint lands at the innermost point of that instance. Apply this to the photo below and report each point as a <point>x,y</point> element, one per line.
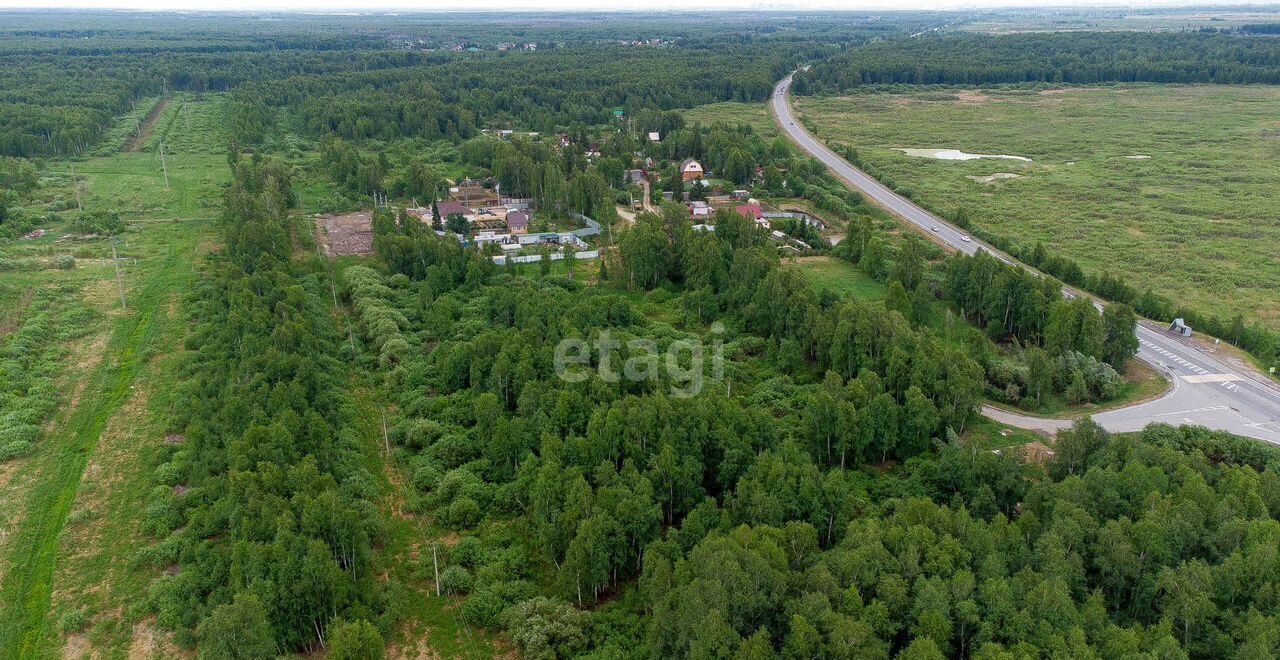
<point>956,154</point>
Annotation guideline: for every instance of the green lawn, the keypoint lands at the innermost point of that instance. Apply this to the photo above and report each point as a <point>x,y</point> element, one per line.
<point>1195,219</point>
<point>838,276</point>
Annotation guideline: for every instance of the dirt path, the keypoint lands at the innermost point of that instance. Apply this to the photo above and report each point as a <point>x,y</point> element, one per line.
<point>148,124</point>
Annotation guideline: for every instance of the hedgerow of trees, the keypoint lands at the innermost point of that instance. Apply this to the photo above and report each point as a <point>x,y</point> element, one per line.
<point>273,531</point>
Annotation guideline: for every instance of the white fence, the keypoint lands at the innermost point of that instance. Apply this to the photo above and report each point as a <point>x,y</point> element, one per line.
<point>502,259</point>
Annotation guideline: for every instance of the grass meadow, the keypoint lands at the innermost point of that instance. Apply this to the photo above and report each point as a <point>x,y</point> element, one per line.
<point>733,112</point>
<point>69,531</point>
<point>838,276</point>
<point>1173,187</point>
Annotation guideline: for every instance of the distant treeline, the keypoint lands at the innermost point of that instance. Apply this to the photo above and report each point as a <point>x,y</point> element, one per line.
<point>1068,57</point>
<point>450,97</point>
<point>62,83</point>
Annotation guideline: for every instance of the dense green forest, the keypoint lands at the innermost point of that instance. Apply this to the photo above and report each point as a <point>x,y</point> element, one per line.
<point>757,518</point>
<point>1065,57</point>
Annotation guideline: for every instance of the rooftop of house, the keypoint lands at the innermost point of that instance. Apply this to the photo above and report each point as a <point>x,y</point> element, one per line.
<point>448,208</point>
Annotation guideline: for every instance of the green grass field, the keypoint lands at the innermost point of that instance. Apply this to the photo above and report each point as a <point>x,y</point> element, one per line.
<point>734,113</point>
<point>1154,19</point>
<point>1174,187</point>
<point>192,124</point>
<point>838,276</point>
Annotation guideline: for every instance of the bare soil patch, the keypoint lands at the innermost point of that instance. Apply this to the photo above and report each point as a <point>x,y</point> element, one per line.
<point>77,647</point>
<point>149,643</point>
<point>972,97</point>
<point>343,235</point>
<point>415,647</point>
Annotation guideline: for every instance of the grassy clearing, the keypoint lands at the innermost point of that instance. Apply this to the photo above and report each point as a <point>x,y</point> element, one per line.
<point>70,526</point>
<point>125,128</point>
<point>1195,220</point>
<point>734,113</point>
<point>986,433</point>
<point>42,558</point>
<point>838,276</point>
<point>192,124</point>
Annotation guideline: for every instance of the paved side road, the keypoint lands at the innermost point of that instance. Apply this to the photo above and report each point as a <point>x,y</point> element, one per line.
<point>1207,391</point>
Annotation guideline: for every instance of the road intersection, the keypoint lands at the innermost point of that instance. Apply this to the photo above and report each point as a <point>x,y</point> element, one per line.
<point>1207,390</point>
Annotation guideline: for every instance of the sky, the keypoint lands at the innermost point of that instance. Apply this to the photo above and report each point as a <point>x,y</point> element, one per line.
<point>572,5</point>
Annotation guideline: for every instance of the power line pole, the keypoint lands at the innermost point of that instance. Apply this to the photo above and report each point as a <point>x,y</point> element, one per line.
<point>436,562</point>
<point>163,165</point>
<point>119,278</point>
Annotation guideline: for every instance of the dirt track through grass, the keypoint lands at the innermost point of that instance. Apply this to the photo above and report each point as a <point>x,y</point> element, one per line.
<point>148,124</point>
<point>27,587</point>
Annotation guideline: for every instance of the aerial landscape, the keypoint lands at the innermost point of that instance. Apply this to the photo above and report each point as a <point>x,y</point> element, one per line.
<point>554,333</point>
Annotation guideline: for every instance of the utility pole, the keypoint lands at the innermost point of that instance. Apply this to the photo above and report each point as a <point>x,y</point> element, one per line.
<point>78,187</point>
<point>436,563</point>
<point>163,166</point>
<point>386,440</point>
<point>119,278</point>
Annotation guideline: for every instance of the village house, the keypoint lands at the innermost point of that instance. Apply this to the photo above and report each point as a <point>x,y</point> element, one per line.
<point>655,136</point>
<point>754,212</point>
<point>634,176</point>
<point>450,207</point>
<point>699,209</point>
<point>518,222</point>
<point>691,169</point>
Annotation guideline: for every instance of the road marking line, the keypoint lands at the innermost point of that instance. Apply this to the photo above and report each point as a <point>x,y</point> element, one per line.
<point>1193,410</point>
<point>1211,378</point>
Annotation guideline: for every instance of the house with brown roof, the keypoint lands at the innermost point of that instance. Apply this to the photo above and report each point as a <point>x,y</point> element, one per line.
<point>449,207</point>
<point>518,222</point>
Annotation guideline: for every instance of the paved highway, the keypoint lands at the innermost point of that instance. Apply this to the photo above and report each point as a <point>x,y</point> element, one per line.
<point>1207,389</point>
